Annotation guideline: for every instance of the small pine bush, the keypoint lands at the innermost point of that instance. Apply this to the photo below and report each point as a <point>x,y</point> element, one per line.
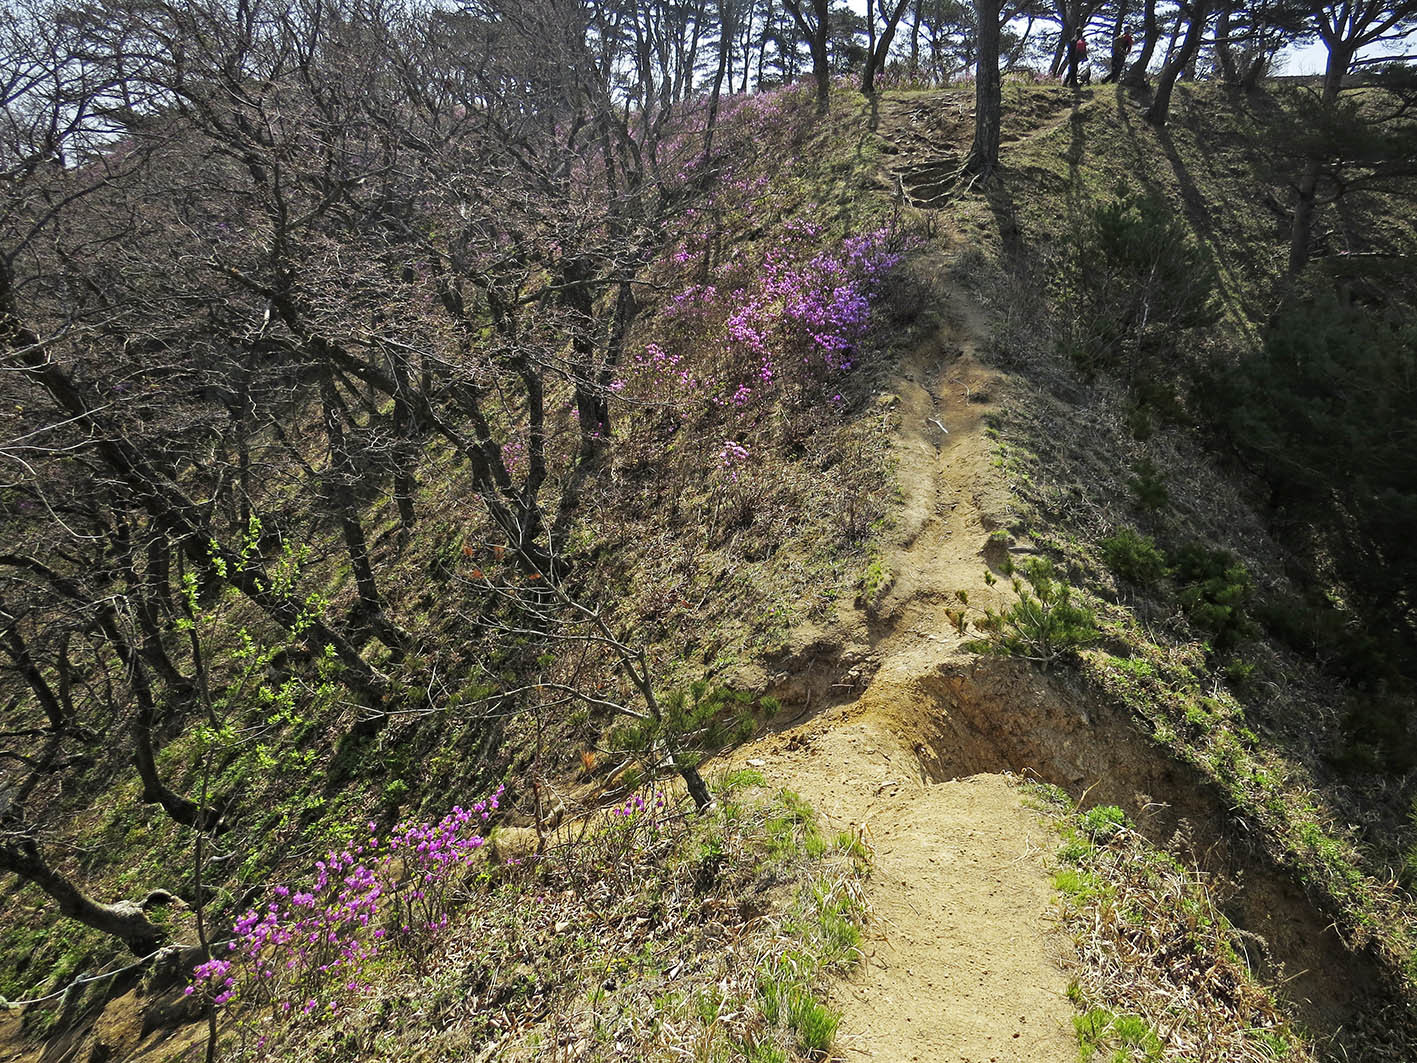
<point>1215,589</point>
<point>697,720</point>
<point>1134,557</point>
<point>1044,625</point>
<point>1134,282</point>
<point>1148,486</point>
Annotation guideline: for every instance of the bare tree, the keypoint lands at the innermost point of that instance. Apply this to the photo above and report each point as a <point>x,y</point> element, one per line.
<point>20,854</point>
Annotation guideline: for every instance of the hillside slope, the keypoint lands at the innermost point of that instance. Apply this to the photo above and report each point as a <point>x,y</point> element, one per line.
<point>1331,932</point>
<point>1147,842</point>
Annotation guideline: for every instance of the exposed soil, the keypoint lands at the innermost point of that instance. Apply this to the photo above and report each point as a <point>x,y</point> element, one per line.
<point>963,958</point>
<point>927,136</point>
<point>138,1025</point>
<point>962,954</point>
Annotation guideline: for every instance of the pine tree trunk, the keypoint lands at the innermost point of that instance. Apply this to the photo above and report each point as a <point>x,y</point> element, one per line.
<point>1151,34</point>
<point>1306,201</point>
<point>868,70</point>
<point>1160,108</point>
<point>1224,57</point>
<point>1115,57</point>
<point>880,48</point>
<point>816,32</point>
<point>915,40</point>
<point>725,12</point>
<point>821,74</point>
<point>406,432</point>
<point>984,155</point>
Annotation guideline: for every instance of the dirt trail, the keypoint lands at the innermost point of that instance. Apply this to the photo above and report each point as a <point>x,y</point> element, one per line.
<point>963,962</point>
<point>962,957</point>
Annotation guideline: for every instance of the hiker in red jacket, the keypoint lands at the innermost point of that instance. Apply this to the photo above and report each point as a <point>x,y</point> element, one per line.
<point>1120,49</point>
<point>1077,55</point>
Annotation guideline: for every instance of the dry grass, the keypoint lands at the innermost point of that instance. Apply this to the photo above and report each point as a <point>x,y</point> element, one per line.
<point>655,936</point>
<point>1159,972</point>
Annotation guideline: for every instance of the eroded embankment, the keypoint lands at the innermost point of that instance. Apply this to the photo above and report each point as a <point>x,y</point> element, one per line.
<point>913,742</point>
<point>989,715</point>
<point>964,879</point>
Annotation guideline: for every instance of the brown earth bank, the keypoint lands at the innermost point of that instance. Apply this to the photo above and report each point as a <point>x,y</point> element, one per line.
<point>920,746</point>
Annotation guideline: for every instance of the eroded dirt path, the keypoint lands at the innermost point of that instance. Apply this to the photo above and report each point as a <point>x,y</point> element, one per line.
<point>962,958</point>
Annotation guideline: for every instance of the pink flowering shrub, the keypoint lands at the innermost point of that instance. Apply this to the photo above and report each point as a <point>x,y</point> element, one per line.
<point>779,328</point>
<point>772,290</point>
<point>377,893</point>
<point>302,956</point>
<point>627,831</point>
<point>766,304</point>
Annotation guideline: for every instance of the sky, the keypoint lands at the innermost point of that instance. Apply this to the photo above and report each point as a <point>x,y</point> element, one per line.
<point>1311,58</point>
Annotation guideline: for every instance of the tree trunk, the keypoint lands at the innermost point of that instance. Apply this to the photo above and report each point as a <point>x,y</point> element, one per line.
<point>27,667</point>
<point>1151,34</point>
<point>124,920</point>
<point>155,791</point>
<point>817,31</point>
<point>868,70</point>
<point>1306,201</point>
<point>725,13</point>
<point>693,782</point>
<point>1069,15</point>
<point>405,459</point>
<point>346,479</point>
<point>1176,28</point>
<point>915,40</point>
<point>821,64</point>
<point>767,24</point>
<point>984,155</point>
<point>881,48</point>
<point>686,71</point>
<point>1160,107</point>
<point>148,592</point>
<point>746,43</point>
<point>1224,57</point>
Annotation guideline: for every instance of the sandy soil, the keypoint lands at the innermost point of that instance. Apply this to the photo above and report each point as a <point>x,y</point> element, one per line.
<point>962,955</point>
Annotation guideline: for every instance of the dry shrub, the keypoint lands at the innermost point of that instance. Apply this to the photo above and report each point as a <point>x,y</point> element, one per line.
<point>1154,945</point>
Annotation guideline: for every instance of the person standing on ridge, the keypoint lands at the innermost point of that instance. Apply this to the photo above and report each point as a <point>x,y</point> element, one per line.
<point>1121,47</point>
<point>1077,55</point>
